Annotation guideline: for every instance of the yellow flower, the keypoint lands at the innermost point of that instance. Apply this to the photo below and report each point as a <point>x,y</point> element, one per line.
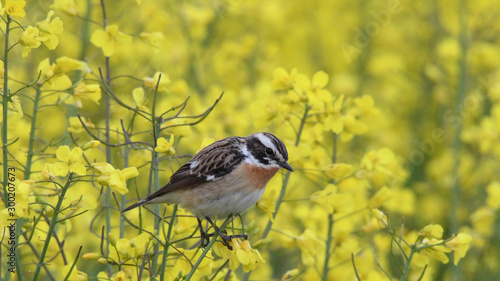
<point>23,190</point>
<point>267,203</point>
<point>282,80</point>
<point>365,104</point>
<point>140,244</point>
<point>325,197</point>
<point>48,29</point>
<point>432,231</point>
<point>338,171</point>
<point>249,258</point>
<point>419,260</point>
<point>50,79</point>
<point>380,166</point>
<point>319,80</point>
<point>15,8</point>
<point>310,245</point>
<point>150,82</point>
<point>90,92</point>
<point>86,201</point>
<point>70,162</point>
<point>115,178</point>
<point>45,174</point>
<point>76,127</point>
<point>378,221</point>
<point>380,197</point>
<point>436,251</point>
<point>483,220</point>
<point>138,95</point>
<point>334,122</point>
<point>332,200</point>
<point>352,125</point>
<point>152,38</point>
<point>103,168</point>
<point>313,90</point>
<point>242,253</point>
<point>460,244</point>
<point>30,39</point>
<point>163,145</point>
<point>121,276</point>
<point>184,223</point>
<point>66,6</point>
<point>205,267</point>
<point>108,38</point>
<point>493,190</point>
<point>381,218</point>
<point>64,65</point>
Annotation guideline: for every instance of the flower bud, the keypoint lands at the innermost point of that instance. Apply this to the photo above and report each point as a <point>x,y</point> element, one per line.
<point>91,256</point>
<point>111,239</point>
<point>91,144</point>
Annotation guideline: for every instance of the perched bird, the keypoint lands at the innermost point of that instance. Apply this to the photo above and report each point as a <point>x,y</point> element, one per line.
<point>224,179</point>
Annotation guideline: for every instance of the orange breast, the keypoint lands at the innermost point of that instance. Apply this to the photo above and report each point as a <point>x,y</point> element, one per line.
<point>259,176</point>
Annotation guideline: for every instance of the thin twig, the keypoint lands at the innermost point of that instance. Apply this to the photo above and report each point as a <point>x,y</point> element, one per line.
<point>107,143</point>
<point>74,264</point>
<point>372,246</point>
<point>354,266</point>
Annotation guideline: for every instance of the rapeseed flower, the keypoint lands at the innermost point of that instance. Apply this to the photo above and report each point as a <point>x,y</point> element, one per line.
<point>109,38</point>
<point>70,161</point>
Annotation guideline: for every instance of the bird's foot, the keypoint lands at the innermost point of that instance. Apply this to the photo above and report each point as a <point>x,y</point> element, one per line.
<point>223,235</point>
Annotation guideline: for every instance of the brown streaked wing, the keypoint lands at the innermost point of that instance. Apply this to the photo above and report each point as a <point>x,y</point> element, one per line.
<point>217,160</point>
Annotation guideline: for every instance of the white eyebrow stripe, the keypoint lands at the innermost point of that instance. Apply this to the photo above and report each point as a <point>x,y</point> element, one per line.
<point>266,141</point>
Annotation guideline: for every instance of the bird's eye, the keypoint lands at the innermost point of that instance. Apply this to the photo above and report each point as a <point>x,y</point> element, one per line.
<point>269,151</point>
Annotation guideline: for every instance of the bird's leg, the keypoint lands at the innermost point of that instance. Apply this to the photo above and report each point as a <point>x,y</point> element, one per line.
<point>225,238</point>
<point>205,237</point>
<point>244,236</point>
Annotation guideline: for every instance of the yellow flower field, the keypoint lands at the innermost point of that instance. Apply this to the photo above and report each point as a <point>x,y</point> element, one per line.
<point>390,111</point>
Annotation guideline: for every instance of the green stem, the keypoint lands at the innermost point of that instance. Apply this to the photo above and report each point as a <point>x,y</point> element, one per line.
<point>205,251</point>
<point>86,30</point>
<point>406,270</point>
<point>329,237</point>
<point>456,189</point>
<point>156,123</point>
<point>29,158</point>
<point>167,244</point>
<point>287,177</point>
<point>107,130</point>
<point>124,197</point>
<point>328,246</point>
<point>52,226</point>
<point>455,193</point>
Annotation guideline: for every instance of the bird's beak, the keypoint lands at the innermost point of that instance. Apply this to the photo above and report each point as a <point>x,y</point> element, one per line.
<point>286,166</point>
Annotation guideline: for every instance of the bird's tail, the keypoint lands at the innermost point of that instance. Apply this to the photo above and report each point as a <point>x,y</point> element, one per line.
<point>140,203</point>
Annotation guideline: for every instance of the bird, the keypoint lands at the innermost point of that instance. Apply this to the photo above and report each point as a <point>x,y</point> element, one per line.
<point>224,179</point>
